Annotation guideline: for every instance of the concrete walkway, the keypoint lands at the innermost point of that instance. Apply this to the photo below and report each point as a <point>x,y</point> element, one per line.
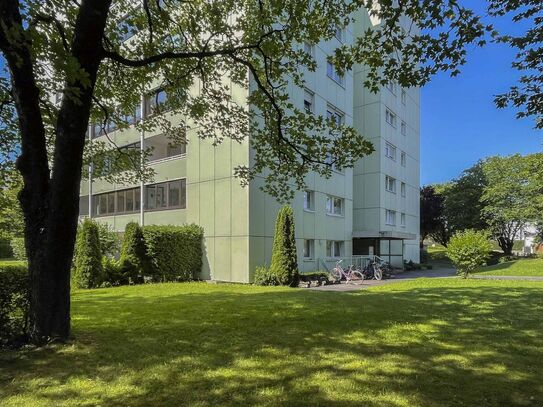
<point>403,276</point>
<point>490,277</point>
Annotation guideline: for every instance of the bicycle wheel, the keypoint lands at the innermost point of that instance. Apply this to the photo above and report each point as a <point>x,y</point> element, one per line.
<point>358,275</point>
<point>335,273</point>
<point>377,273</point>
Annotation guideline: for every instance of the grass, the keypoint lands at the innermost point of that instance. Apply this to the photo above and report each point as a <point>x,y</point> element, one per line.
<point>11,262</point>
<point>522,267</point>
<point>427,342</point>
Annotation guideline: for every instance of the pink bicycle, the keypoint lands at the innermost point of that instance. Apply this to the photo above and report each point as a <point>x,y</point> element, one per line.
<point>349,274</point>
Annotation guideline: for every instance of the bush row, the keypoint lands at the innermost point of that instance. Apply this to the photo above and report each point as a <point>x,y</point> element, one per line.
<point>156,253</point>
<point>13,304</point>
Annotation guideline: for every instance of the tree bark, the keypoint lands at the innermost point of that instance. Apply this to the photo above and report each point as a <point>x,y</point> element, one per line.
<point>506,244</point>
<point>50,203</point>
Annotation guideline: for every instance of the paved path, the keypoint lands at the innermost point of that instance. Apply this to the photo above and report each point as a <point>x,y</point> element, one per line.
<point>489,277</point>
<point>404,276</point>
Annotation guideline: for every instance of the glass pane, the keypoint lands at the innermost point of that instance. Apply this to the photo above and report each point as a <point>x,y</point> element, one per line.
<point>103,205</point>
<point>337,206</point>
<point>137,199</point>
<point>111,202</point>
<point>120,201</point>
<point>150,197</point>
<point>174,193</point>
<point>161,195</point>
<point>83,205</point>
<point>183,193</point>
<point>129,200</point>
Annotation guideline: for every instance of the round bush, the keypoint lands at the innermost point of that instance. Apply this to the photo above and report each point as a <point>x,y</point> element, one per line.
<point>469,250</point>
<point>88,270</point>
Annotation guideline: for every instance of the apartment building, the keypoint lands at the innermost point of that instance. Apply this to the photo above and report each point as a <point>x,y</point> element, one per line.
<point>371,209</point>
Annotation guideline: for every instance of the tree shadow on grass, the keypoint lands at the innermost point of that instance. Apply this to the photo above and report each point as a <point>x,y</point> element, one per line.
<point>439,345</point>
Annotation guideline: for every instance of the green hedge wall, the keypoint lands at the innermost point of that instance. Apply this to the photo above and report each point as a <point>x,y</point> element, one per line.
<point>13,304</point>
<point>174,252</point>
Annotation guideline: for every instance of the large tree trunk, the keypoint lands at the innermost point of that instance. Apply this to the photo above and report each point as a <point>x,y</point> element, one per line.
<point>506,244</point>
<point>51,203</point>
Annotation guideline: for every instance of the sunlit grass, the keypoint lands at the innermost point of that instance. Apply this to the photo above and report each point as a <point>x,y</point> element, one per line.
<point>428,342</point>
<point>523,267</point>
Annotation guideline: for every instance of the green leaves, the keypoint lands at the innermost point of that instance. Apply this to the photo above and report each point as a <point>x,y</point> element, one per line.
<point>469,250</point>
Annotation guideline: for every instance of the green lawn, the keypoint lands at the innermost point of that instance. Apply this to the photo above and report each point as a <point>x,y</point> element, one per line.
<point>524,267</point>
<point>429,342</point>
<point>11,262</point>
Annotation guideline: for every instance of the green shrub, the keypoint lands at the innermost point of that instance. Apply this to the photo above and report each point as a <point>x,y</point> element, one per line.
<point>88,271</point>
<point>263,276</point>
<point>506,259</point>
<point>284,262</point>
<point>13,304</point>
<point>6,251</point>
<point>112,273</point>
<point>468,251</point>
<point>18,248</point>
<point>133,261</point>
<point>174,252</point>
<point>109,240</point>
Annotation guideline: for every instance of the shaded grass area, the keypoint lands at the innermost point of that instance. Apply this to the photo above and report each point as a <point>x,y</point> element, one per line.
<point>522,267</point>
<point>12,262</point>
<point>427,342</point>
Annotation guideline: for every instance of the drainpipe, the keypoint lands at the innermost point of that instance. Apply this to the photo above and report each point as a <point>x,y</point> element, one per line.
<point>142,161</point>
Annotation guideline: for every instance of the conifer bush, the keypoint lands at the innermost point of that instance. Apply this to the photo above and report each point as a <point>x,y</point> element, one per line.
<point>133,262</point>
<point>88,270</point>
<point>284,262</point>
<point>14,303</point>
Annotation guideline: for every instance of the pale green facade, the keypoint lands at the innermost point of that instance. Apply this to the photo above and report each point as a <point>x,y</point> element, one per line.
<point>238,221</point>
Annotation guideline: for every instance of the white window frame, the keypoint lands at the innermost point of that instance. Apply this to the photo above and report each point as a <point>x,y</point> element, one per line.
<point>402,219</point>
<point>403,128</point>
<point>390,151</point>
<point>403,158</point>
<point>331,205</point>
<point>390,117</point>
<point>390,217</point>
<point>309,200</point>
<point>309,249</point>
<point>334,248</point>
<point>404,97</point>
<point>391,86</point>
<point>332,74</point>
<point>403,189</point>
<point>390,184</point>
<point>309,96</point>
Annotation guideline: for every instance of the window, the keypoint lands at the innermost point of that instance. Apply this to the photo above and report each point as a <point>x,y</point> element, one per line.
<point>309,48</point>
<point>332,74</point>
<point>390,184</point>
<point>403,158</point>
<point>404,96</point>
<point>309,248</point>
<point>402,188</point>
<point>404,128</point>
<point>390,117</point>
<point>154,101</point>
<point>390,217</point>
<point>334,115</point>
<point>391,86</point>
<point>334,206</point>
<point>126,29</point>
<point>58,98</point>
<point>338,33</point>
<point>308,101</point>
<point>390,151</point>
<point>402,219</point>
<point>334,248</point>
<point>166,195</point>
<point>309,200</point>
<point>176,149</point>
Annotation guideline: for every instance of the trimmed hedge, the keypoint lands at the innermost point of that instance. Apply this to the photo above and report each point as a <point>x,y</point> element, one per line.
<point>133,261</point>
<point>88,270</point>
<point>174,252</point>
<point>284,262</point>
<point>18,248</point>
<point>14,287</point>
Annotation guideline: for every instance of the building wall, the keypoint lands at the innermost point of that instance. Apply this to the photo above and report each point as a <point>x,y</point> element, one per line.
<point>371,199</point>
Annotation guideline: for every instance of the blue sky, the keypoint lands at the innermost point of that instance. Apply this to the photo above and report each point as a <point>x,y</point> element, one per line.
<point>459,121</point>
